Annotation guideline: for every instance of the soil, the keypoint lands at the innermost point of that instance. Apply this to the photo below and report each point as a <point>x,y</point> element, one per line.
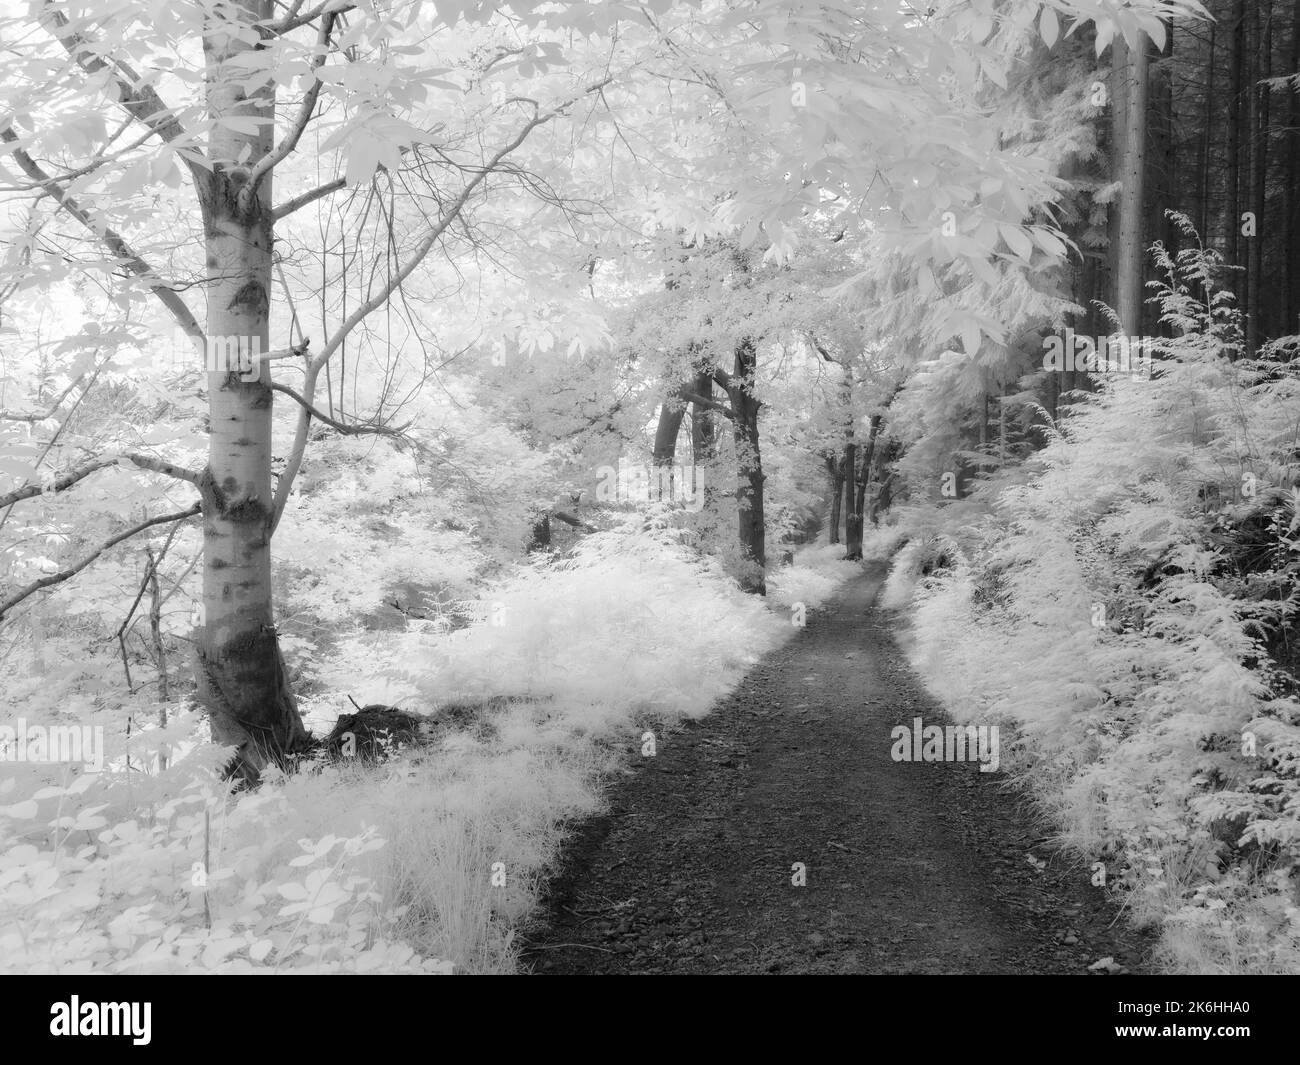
<point>911,867</point>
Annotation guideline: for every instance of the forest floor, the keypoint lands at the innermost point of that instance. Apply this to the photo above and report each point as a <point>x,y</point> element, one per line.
<point>912,867</point>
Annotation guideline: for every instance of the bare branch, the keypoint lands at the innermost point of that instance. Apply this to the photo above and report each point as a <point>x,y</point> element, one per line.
<point>306,109</point>
<point>148,462</point>
<point>569,519</point>
<point>96,164</point>
<point>445,219</point>
<point>820,349</point>
<point>290,206</point>
<point>13,416</point>
<point>293,20</point>
<point>141,101</point>
<point>70,477</point>
<point>354,429</point>
<point>77,567</point>
<point>691,397</point>
<point>110,237</point>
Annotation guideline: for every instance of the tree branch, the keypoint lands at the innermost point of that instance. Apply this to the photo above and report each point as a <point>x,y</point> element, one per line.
<point>73,570</point>
<point>81,171</point>
<point>13,416</point>
<point>142,102</point>
<point>394,282</point>
<point>444,220</point>
<point>111,239</point>
<point>817,346</point>
<point>293,20</point>
<point>290,206</point>
<point>148,462</point>
<point>306,109</point>
<point>569,519</point>
<point>355,429</point>
<point>70,477</point>
<point>691,397</point>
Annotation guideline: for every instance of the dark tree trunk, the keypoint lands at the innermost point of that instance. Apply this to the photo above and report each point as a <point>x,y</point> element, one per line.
<point>1232,198</point>
<point>865,467</point>
<point>1202,218</point>
<point>703,445</point>
<point>837,499</point>
<point>882,493</point>
<point>1291,187</point>
<point>749,474</point>
<point>1262,45</point>
<point>852,518</point>
<point>671,414</point>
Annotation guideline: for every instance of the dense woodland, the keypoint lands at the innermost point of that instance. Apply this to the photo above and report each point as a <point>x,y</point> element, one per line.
<point>527,371</point>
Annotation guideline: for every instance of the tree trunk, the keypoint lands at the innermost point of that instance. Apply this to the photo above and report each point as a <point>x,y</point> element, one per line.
<point>1132,66</point>
<point>1262,45</point>
<point>703,446</point>
<point>1162,180</point>
<point>852,519</point>
<point>863,480</point>
<point>1233,191</point>
<point>848,468</point>
<point>1291,187</point>
<point>241,672</point>
<point>1002,425</point>
<point>836,474</point>
<point>1207,140</point>
<point>749,472</point>
<point>881,494</point>
<point>671,414</point>
<point>1119,87</point>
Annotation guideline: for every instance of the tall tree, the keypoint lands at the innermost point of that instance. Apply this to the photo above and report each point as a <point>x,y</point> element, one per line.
<point>1131,65</point>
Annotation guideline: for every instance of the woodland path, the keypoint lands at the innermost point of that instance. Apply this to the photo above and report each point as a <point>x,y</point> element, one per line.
<point>911,867</point>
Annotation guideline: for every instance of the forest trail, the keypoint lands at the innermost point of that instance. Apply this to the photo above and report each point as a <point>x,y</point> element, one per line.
<point>920,867</point>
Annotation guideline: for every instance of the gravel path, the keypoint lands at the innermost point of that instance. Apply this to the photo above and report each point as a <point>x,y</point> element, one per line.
<point>920,867</point>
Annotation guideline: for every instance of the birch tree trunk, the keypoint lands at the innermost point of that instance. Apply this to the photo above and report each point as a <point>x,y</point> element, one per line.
<point>241,671</point>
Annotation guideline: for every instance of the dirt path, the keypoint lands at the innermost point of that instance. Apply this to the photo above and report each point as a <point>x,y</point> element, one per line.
<point>911,867</point>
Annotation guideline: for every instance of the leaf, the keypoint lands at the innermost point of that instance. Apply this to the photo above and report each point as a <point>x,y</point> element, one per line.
<point>983,269</point>
<point>1049,26</point>
<point>1156,28</point>
<point>1018,242</point>
<point>1048,243</point>
<point>363,159</point>
<point>926,281</point>
<point>242,124</point>
<point>1105,31</point>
